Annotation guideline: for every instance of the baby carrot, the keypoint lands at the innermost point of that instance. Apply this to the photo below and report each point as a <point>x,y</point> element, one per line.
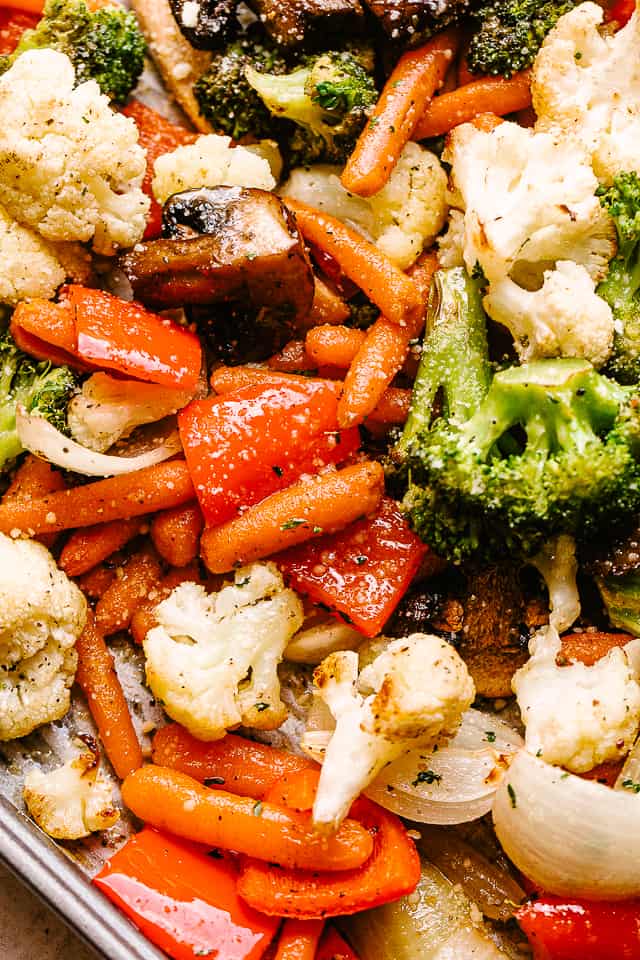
<point>397,296</point>
<point>334,345</point>
<point>308,508</point>
<point>98,679</point>
<point>292,358</point>
<point>130,495</point>
<point>376,363</point>
<point>172,801</point>
<point>327,307</point>
<point>34,478</point>
<point>413,82</point>
<point>88,547</point>
<point>95,582</point>
<point>393,407</point>
<point>296,790</point>
<point>299,939</point>
<point>497,95</point>
<point>120,600</point>
<point>234,763</point>
<point>176,533</point>
<point>227,379</point>
<point>144,616</point>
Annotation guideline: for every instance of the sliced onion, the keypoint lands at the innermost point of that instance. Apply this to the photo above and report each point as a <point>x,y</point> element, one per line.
<point>316,640</point>
<point>458,780</point>
<point>572,836</point>
<point>40,437</point>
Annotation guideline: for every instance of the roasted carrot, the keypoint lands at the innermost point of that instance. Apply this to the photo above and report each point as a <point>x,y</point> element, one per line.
<point>397,296</point>
<point>144,618</point>
<point>296,790</point>
<point>88,547</point>
<point>47,331</point>
<point>176,533</point>
<point>393,407</point>
<point>292,358</point>
<point>413,82</point>
<point>172,801</point>
<point>333,947</point>
<point>327,307</point>
<point>131,495</point>
<point>299,939</point>
<point>421,272</point>
<point>98,679</point>
<point>334,345</point>
<point>95,582</point>
<point>497,95</point>
<point>308,508</point>
<point>120,600</point>
<point>34,478</point>
<point>235,763</point>
<point>376,363</point>
<point>591,646</point>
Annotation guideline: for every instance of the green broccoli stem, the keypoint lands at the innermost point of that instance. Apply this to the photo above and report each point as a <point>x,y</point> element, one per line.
<point>455,358</point>
<point>621,597</point>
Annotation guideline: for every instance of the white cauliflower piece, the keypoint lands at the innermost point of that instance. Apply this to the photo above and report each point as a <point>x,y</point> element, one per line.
<point>210,161</point>
<point>451,243</point>
<point>108,408</point>
<point>564,318</point>
<point>212,661</point>
<point>73,800</point>
<point>586,84</point>
<point>42,613</point>
<point>558,565</point>
<point>529,200</point>
<point>577,716</point>
<point>410,695</point>
<point>70,167</point>
<point>401,219</point>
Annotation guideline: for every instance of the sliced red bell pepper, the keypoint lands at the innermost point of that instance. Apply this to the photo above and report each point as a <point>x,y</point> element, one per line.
<point>157,135</point>
<point>333,947</point>
<point>621,11</point>
<point>92,329</point>
<point>13,23</point>
<point>562,929</point>
<point>361,572</point>
<point>184,900</point>
<point>392,870</point>
<point>241,447</point>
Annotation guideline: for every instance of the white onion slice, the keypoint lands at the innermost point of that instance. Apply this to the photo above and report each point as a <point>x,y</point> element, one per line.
<point>572,836</point>
<point>459,779</point>
<point>40,437</point>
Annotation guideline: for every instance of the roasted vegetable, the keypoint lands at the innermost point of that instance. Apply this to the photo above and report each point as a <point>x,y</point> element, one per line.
<point>207,24</point>
<point>225,244</point>
<point>413,21</point>
<point>308,23</point>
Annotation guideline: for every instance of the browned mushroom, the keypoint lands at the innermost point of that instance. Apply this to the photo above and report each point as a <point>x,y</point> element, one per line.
<point>225,244</point>
<point>309,23</point>
<point>207,24</point>
<point>412,21</point>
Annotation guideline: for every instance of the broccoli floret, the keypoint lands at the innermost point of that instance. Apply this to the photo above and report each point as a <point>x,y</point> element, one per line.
<point>225,96</point>
<point>104,45</point>
<point>621,286</point>
<point>551,447</point>
<point>511,32</point>
<point>328,99</point>
<point>621,596</point>
<point>36,385</point>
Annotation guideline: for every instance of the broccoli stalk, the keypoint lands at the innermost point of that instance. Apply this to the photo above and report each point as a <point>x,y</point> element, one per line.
<point>511,32</point>
<point>105,45</point>
<point>328,99</point>
<point>621,596</point>
<point>40,388</point>
<point>551,449</point>
<point>621,286</point>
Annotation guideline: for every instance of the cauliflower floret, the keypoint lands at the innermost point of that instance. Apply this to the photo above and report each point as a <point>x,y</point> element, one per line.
<point>213,659</point>
<point>451,243</point>
<point>108,408</point>
<point>33,267</point>
<point>577,716</point>
<point>587,85</point>
<point>401,219</point>
<point>73,800</point>
<point>529,200</point>
<point>209,162</point>
<point>70,167</point>
<point>564,318</point>
<point>411,694</point>
<point>42,613</point>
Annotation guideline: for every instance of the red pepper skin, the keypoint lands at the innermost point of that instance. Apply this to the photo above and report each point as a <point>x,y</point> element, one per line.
<point>333,947</point>
<point>13,23</point>
<point>241,447</point>
<point>184,901</point>
<point>156,135</point>
<point>621,11</point>
<point>561,929</point>
<point>361,572</point>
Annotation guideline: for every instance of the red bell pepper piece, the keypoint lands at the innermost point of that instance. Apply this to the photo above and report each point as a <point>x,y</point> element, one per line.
<point>92,329</point>
<point>621,11</point>
<point>13,23</point>
<point>157,135</point>
<point>562,929</point>
<point>333,947</point>
<point>183,900</point>
<point>363,571</point>
<point>392,870</point>
<point>241,447</point>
